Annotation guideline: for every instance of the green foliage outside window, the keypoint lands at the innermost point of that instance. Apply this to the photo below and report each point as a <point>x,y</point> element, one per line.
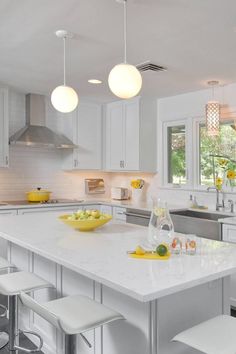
<point>223,145</point>
<point>176,155</point>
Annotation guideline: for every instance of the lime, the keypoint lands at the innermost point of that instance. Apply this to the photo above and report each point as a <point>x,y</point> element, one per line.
<point>162,250</point>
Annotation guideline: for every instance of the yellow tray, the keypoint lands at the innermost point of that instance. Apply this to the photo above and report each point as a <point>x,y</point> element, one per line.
<point>151,256</point>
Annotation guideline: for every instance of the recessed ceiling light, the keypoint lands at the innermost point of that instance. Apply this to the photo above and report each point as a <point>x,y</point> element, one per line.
<point>95,81</point>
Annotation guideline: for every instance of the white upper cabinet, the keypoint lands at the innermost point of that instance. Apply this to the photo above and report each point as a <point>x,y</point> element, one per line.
<point>114,128</point>
<point>84,128</point>
<point>89,136</point>
<point>131,136</point>
<point>4,128</point>
<point>131,130</point>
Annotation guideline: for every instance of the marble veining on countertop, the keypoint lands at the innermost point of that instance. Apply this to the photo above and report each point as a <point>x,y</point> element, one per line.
<point>101,255</point>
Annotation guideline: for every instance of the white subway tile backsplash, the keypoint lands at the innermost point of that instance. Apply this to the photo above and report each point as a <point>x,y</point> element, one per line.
<point>31,168</point>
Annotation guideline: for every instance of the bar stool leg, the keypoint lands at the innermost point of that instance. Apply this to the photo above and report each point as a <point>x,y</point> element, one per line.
<point>12,323</point>
<point>4,337</point>
<point>70,344</point>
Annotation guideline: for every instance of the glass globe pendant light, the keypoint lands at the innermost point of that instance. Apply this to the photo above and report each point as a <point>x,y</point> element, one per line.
<point>213,113</point>
<point>125,80</point>
<point>64,98</point>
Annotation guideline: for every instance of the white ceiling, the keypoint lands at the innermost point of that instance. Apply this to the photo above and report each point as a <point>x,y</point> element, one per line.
<point>194,39</point>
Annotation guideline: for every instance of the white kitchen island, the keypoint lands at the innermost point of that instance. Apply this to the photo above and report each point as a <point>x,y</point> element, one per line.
<point>158,298</point>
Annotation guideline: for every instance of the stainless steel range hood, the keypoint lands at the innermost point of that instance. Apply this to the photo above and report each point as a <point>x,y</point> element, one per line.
<point>35,133</point>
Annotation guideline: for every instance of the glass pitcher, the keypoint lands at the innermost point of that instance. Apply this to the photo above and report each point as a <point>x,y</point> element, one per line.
<point>161,228</point>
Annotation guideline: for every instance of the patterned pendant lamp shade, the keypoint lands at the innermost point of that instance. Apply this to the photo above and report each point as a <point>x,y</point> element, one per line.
<point>213,118</point>
<point>213,112</point>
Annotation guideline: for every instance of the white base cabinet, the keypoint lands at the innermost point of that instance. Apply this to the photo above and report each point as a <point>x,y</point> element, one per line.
<point>131,135</point>
<point>229,235</point>
<point>3,243</point>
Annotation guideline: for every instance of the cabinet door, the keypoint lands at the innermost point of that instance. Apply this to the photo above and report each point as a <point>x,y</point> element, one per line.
<point>3,243</point>
<point>89,136</point>
<point>67,125</point>
<point>131,136</point>
<point>114,136</point>
<point>229,235</point>
<point>4,129</point>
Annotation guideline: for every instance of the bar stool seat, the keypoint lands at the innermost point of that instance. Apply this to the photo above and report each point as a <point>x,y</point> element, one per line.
<point>72,315</point>
<point>215,336</point>
<point>13,283</point>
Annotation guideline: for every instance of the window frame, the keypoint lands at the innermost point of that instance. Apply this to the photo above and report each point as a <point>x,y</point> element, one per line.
<point>196,154</point>
<point>165,164</point>
<point>192,124</point>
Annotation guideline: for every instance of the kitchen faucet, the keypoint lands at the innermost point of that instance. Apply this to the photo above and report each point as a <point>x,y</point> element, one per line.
<point>231,204</point>
<point>218,205</point>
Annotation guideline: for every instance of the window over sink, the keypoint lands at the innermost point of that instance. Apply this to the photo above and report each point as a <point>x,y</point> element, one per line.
<point>223,145</point>
<point>187,154</point>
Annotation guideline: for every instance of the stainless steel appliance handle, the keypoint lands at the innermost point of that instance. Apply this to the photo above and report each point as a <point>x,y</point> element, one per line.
<point>137,215</point>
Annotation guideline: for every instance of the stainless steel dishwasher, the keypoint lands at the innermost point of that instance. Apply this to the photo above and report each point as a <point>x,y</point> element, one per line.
<point>138,217</point>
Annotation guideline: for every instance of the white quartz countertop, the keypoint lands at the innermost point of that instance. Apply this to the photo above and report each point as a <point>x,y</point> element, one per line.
<point>101,255</point>
<point>146,206</point>
<point>230,221</point>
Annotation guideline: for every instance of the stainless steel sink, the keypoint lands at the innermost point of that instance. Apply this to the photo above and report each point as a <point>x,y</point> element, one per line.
<point>202,224</point>
<point>200,215</point>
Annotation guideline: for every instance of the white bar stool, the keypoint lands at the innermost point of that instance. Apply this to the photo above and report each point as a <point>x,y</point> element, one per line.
<point>72,315</point>
<point>11,285</point>
<point>215,336</point>
<point>4,337</point>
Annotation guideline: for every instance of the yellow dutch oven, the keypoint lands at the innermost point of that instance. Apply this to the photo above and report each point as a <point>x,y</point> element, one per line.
<point>38,195</point>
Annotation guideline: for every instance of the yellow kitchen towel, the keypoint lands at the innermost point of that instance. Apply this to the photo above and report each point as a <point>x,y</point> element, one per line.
<point>152,256</point>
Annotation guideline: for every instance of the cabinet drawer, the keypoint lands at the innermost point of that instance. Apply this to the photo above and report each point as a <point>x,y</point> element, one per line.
<point>119,213</point>
<point>106,209</point>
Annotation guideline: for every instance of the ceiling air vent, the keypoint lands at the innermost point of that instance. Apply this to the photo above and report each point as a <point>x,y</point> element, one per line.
<point>148,66</point>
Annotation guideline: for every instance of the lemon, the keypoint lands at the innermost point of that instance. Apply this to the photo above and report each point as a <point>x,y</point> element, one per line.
<point>162,250</point>
<point>160,212</point>
<point>140,251</point>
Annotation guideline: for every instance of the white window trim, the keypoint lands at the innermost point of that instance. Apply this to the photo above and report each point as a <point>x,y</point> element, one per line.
<point>164,177</point>
<point>196,153</point>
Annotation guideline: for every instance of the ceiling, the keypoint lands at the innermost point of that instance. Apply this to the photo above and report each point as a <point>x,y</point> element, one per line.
<point>194,39</point>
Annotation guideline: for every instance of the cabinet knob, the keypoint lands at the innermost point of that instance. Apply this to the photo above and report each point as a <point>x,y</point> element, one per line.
<point>7,161</point>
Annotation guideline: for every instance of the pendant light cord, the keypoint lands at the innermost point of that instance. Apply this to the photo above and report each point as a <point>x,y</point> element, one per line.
<point>125,31</point>
<point>64,59</point>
